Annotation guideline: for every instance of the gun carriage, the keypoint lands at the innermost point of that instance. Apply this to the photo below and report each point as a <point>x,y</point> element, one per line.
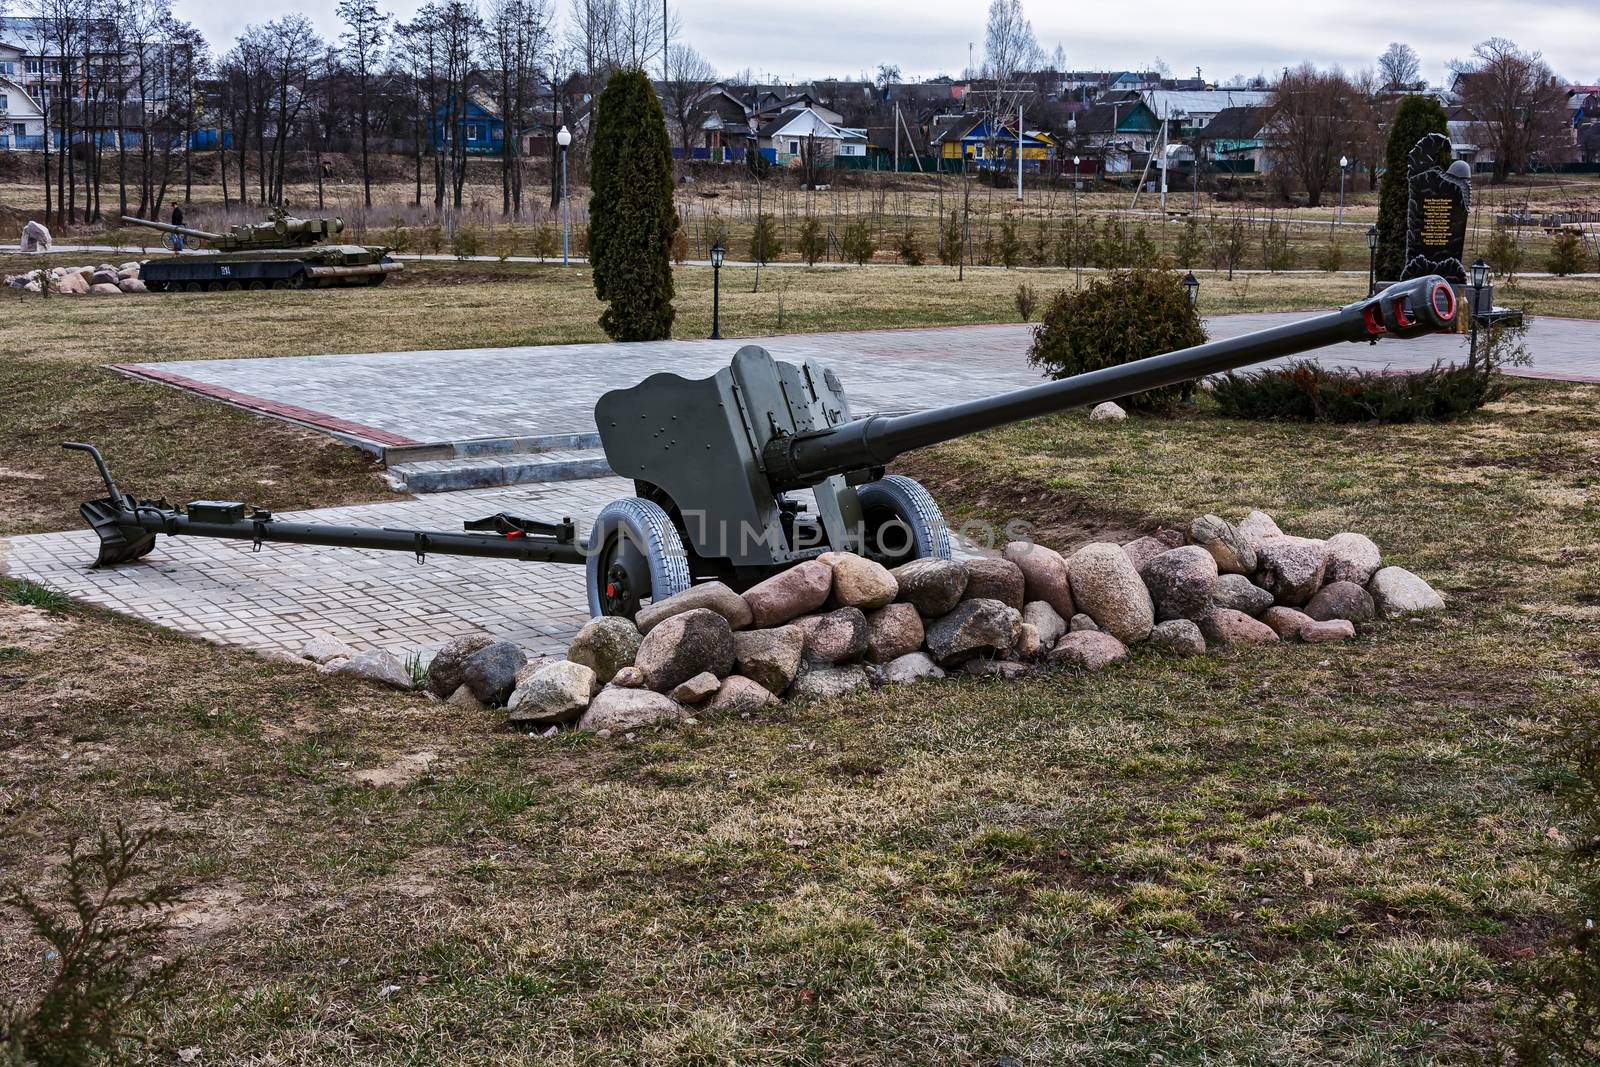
<point>745,473</point>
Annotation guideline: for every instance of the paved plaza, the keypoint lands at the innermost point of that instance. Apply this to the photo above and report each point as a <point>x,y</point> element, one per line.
<point>387,399</point>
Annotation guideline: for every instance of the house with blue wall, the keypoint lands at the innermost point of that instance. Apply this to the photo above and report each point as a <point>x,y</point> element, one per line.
<point>479,126</point>
<point>1000,147</point>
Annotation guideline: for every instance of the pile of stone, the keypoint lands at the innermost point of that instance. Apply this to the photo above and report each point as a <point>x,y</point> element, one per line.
<point>104,280</point>
<point>841,623</point>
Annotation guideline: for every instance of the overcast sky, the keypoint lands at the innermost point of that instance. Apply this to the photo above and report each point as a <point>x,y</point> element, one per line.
<point>926,37</point>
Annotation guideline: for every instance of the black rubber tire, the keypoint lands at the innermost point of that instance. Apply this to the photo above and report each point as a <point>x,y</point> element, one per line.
<point>897,498</point>
<point>638,536</point>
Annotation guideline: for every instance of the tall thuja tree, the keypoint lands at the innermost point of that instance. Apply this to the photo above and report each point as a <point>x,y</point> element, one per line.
<point>1414,119</point>
<point>631,219</point>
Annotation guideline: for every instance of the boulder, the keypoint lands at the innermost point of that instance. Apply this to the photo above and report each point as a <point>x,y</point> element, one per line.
<point>697,689</point>
<point>1225,626</point>
<point>606,645</point>
<point>713,596</point>
<point>975,627</point>
<point>1144,549</point>
<point>1044,575</point>
<point>1005,669</point>
<point>1107,588</point>
<point>1109,411</point>
<point>1396,591</point>
<point>618,710</point>
<point>628,678</point>
<point>1182,636</point>
<point>995,579</point>
<point>911,667</point>
<point>1181,581</point>
<point>559,691</point>
<point>859,582</point>
<point>1341,600</point>
<point>684,646</point>
<point>1088,650</point>
<point>1027,644</point>
<point>837,637</point>
<point>376,665</point>
<point>105,276</point>
<point>132,285</point>
<point>105,289</point>
<point>1319,632</point>
<point>72,283</point>
<point>1234,553</point>
<point>35,238</point>
<point>789,594</point>
<point>821,683</point>
<point>1081,623</point>
<point>1240,593</point>
<point>463,698</point>
<point>1285,622</point>
<point>491,671</point>
<point>1046,620</point>
<point>323,649</point>
<point>1351,557</point>
<point>445,672</point>
<point>1290,568</point>
<point>771,657</point>
<point>738,693</point>
<point>932,586</point>
<point>892,632</point>
<point>1257,526</point>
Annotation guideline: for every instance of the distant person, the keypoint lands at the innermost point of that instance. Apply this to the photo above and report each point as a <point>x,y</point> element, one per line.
<point>177,220</point>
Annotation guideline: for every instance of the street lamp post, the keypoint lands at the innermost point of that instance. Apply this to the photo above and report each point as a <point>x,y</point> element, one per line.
<point>1191,287</point>
<point>1480,282</point>
<point>1344,165</point>
<point>564,139</point>
<point>717,252</point>
<point>1077,253</point>
<point>1372,259</point>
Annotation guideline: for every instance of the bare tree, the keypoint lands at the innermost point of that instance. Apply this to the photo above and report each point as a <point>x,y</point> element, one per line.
<point>689,75</point>
<point>363,39</point>
<point>1010,50</point>
<point>1310,125</point>
<point>1516,99</point>
<point>519,37</point>
<point>1399,67</point>
<point>292,48</point>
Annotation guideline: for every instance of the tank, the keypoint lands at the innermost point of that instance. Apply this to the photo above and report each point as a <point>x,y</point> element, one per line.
<point>282,253</point>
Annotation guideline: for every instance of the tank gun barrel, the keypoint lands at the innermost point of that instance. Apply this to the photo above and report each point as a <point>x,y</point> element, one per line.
<point>1406,309</point>
<point>167,227</point>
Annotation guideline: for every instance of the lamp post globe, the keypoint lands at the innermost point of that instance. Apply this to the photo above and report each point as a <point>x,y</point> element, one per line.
<point>1191,286</point>
<point>1480,273</point>
<point>1344,165</point>
<point>564,139</point>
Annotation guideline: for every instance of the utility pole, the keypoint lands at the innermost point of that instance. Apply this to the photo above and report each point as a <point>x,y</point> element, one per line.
<point>1019,149</point>
<point>897,137</point>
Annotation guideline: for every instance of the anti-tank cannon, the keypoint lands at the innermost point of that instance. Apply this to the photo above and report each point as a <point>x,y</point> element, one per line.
<point>283,252</point>
<point>745,473</point>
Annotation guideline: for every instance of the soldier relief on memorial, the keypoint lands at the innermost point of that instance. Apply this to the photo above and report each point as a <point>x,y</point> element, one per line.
<point>1436,218</point>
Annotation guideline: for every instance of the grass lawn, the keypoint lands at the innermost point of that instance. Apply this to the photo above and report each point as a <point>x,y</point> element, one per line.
<point>1304,854</point>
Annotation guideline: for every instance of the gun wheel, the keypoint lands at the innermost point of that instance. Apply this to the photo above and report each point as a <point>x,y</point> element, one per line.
<point>901,521</point>
<point>635,553</point>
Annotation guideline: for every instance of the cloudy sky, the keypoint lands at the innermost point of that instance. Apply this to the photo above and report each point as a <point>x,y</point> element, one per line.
<point>926,37</point>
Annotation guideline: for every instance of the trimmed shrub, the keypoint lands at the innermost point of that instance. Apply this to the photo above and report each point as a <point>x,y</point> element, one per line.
<point>950,241</point>
<point>858,244</point>
<point>1118,318</point>
<point>1306,392</point>
<point>631,217</point>
<point>1505,252</point>
<point>1331,258</point>
<point>680,246</point>
<point>1414,119</point>
<point>465,244</point>
<point>1567,256</point>
<point>1276,254</point>
<point>813,244</point>
<point>908,248</point>
<point>1027,300</point>
<point>1010,244</point>
<point>546,241</point>
<point>1191,243</point>
<point>765,244</point>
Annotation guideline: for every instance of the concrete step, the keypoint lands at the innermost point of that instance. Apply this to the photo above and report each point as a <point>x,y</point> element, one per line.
<point>481,472</point>
<point>478,447</point>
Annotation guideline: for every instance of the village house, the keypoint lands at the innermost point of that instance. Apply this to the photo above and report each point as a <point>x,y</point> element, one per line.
<point>806,128</point>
